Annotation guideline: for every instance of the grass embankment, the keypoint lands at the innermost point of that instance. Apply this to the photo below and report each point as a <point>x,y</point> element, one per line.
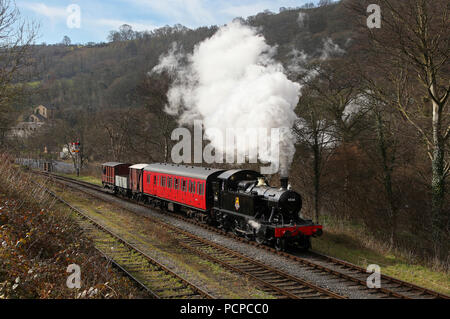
<point>39,241</point>
<point>348,242</point>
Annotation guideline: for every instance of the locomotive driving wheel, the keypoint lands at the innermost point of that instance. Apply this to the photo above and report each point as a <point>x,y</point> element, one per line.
<point>225,223</point>
<point>260,237</point>
<point>280,244</point>
<point>236,232</point>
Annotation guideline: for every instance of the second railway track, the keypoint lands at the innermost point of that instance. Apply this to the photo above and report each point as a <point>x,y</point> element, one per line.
<point>153,277</point>
<point>328,266</point>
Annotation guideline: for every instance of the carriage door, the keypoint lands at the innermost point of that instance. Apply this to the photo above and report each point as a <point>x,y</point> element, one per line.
<point>183,189</point>
<point>176,188</point>
<point>140,180</point>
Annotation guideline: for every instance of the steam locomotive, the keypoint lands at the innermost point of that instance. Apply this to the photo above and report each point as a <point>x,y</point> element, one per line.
<point>240,201</point>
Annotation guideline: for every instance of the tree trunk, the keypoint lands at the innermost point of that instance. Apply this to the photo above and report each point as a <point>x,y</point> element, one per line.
<point>438,181</point>
<point>316,179</point>
<point>387,177</point>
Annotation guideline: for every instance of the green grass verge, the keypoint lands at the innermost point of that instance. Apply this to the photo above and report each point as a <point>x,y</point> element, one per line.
<point>342,243</point>
<point>83,178</point>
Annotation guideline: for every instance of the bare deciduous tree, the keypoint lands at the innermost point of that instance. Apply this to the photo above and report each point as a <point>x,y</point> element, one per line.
<point>16,38</point>
<point>410,51</point>
<point>314,130</point>
<point>335,108</point>
<point>154,91</point>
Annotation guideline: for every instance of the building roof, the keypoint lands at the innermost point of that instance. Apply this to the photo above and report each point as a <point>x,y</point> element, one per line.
<point>139,166</point>
<point>183,170</point>
<point>48,107</point>
<point>113,164</point>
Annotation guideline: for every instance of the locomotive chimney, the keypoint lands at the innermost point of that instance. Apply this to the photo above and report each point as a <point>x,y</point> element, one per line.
<point>284,180</point>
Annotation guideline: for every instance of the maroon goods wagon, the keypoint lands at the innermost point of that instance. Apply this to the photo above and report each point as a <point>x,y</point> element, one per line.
<point>136,180</point>
<point>110,172</point>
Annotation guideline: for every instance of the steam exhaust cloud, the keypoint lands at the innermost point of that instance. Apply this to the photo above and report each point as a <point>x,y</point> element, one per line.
<point>232,80</point>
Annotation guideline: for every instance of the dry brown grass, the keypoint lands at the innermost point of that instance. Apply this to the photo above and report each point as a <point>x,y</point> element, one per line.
<point>38,242</point>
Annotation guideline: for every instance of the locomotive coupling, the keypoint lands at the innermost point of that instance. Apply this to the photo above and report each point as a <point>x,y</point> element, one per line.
<point>318,232</point>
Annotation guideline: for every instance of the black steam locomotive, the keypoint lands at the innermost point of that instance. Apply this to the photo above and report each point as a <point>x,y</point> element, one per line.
<point>245,204</point>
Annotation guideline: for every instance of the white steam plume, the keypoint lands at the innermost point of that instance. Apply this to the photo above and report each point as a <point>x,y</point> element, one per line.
<point>330,49</point>
<point>231,80</point>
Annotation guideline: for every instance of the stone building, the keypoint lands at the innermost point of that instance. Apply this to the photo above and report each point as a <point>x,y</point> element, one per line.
<point>41,114</point>
<point>45,112</point>
<point>24,129</point>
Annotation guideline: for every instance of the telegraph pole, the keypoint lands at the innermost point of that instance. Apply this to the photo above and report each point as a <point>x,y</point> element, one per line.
<point>76,150</point>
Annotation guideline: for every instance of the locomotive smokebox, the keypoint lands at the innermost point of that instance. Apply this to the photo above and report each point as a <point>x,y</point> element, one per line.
<point>284,181</point>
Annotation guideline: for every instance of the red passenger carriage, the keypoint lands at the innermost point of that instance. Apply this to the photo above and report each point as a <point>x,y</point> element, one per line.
<point>187,186</point>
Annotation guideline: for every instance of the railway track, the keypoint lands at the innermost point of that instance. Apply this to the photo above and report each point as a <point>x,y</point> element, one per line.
<point>272,280</point>
<point>331,267</point>
<point>153,277</point>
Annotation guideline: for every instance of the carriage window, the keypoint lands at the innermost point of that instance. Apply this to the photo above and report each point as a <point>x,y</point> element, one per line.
<point>148,179</point>
<point>184,185</point>
<point>175,185</point>
<point>155,178</point>
<point>199,188</point>
<point>104,170</point>
<point>169,182</point>
<point>191,187</point>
